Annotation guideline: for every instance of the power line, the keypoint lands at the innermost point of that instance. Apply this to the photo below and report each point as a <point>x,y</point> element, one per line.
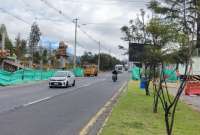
<point>59,11</point>
<point>67,17</point>
<point>24,21</point>
<point>15,16</point>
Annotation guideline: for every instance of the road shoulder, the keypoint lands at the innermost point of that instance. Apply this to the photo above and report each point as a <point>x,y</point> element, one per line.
<point>97,122</point>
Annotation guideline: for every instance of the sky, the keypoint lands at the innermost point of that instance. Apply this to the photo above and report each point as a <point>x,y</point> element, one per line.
<point>100,19</point>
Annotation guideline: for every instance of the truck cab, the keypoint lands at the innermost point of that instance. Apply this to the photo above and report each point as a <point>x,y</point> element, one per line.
<point>90,70</point>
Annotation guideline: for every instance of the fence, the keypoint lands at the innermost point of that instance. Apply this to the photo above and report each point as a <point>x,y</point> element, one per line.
<point>20,76</point>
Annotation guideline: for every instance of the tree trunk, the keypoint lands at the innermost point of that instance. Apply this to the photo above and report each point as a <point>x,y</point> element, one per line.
<point>147,87</point>
<point>155,103</point>
<point>169,131</point>
<point>147,81</point>
<point>198,27</point>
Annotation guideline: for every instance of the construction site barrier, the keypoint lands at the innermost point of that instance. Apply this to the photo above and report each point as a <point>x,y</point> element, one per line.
<point>135,73</point>
<point>23,75</point>
<point>192,88</point>
<point>78,72</point>
<point>170,75</point>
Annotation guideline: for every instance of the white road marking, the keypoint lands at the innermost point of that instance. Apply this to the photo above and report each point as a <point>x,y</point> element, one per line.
<point>47,98</point>
<point>36,101</point>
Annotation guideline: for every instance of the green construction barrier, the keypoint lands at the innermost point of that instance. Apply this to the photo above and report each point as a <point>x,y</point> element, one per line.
<point>170,75</point>
<point>78,72</point>
<point>135,73</point>
<point>24,75</point>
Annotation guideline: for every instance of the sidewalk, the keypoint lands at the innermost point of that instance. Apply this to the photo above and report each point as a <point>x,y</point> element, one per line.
<point>193,101</point>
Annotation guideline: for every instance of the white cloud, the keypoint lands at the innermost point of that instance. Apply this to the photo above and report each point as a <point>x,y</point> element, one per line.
<point>107,15</point>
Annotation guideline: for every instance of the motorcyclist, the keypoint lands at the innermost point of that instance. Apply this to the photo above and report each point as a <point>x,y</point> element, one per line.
<point>114,72</point>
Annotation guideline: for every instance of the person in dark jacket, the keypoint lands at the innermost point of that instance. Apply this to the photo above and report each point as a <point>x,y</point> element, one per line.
<point>114,72</point>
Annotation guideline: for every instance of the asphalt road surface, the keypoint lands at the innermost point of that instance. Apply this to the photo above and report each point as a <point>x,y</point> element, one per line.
<point>35,109</point>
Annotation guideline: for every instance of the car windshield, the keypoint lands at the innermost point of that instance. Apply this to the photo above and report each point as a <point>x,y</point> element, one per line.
<point>60,74</point>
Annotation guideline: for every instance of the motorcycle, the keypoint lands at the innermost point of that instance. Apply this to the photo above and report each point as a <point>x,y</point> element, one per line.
<point>114,77</point>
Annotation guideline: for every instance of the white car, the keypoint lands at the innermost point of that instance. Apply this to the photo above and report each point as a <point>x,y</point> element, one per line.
<point>62,79</point>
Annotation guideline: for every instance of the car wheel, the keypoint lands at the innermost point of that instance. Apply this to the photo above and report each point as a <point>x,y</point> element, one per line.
<point>74,83</point>
<point>50,87</point>
<point>67,84</point>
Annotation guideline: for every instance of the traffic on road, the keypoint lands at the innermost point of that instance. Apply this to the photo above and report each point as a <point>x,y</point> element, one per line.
<point>31,109</point>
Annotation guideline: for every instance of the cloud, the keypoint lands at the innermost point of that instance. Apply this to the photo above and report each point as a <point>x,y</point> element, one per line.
<point>104,19</point>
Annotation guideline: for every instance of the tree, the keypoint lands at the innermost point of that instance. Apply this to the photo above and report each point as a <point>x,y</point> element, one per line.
<point>133,32</point>
<point>161,33</point>
<point>3,30</point>
<point>17,47</point>
<point>136,32</point>
<point>88,58</point>
<point>36,57</point>
<point>23,47</point>
<point>44,56</point>
<point>8,43</point>
<point>183,14</point>
<point>20,47</point>
<point>107,61</point>
<point>34,38</point>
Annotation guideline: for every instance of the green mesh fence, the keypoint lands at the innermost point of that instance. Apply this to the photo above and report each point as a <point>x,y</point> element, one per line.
<point>170,75</point>
<point>78,72</point>
<point>20,76</point>
<point>135,73</point>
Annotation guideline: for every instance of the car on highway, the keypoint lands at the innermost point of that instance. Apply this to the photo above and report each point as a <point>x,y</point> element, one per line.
<point>62,79</point>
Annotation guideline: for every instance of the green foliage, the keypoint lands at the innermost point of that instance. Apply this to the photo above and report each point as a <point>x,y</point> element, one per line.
<point>36,57</point>
<point>88,57</point>
<point>107,62</point>
<point>134,32</point>
<point>20,47</point>
<point>3,30</point>
<point>44,57</point>
<point>34,37</point>
<point>9,45</point>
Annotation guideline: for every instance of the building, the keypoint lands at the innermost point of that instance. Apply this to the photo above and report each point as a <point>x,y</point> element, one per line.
<point>62,54</point>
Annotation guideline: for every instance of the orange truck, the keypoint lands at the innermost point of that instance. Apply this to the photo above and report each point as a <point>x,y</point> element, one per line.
<point>90,70</point>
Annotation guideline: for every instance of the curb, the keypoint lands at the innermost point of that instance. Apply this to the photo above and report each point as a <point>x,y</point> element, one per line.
<point>23,84</point>
<point>98,121</point>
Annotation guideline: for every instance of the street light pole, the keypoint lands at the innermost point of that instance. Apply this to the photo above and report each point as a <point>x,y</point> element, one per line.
<point>99,56</point>
<point>75,42</point>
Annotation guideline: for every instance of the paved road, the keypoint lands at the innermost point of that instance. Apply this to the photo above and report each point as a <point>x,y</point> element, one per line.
<point>37,110</point>
<point>193,100</point>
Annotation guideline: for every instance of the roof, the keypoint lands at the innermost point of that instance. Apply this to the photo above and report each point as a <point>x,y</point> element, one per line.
<point>13,63</point>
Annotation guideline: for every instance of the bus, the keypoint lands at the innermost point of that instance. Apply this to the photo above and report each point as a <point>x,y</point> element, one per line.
<point>119,68</point>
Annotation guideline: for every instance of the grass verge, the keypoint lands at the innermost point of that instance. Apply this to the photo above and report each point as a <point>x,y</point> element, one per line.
<point>133,116</point>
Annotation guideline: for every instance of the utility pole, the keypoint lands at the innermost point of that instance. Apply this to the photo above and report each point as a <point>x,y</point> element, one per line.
<point>75,42</point>
<point>99,56</point>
